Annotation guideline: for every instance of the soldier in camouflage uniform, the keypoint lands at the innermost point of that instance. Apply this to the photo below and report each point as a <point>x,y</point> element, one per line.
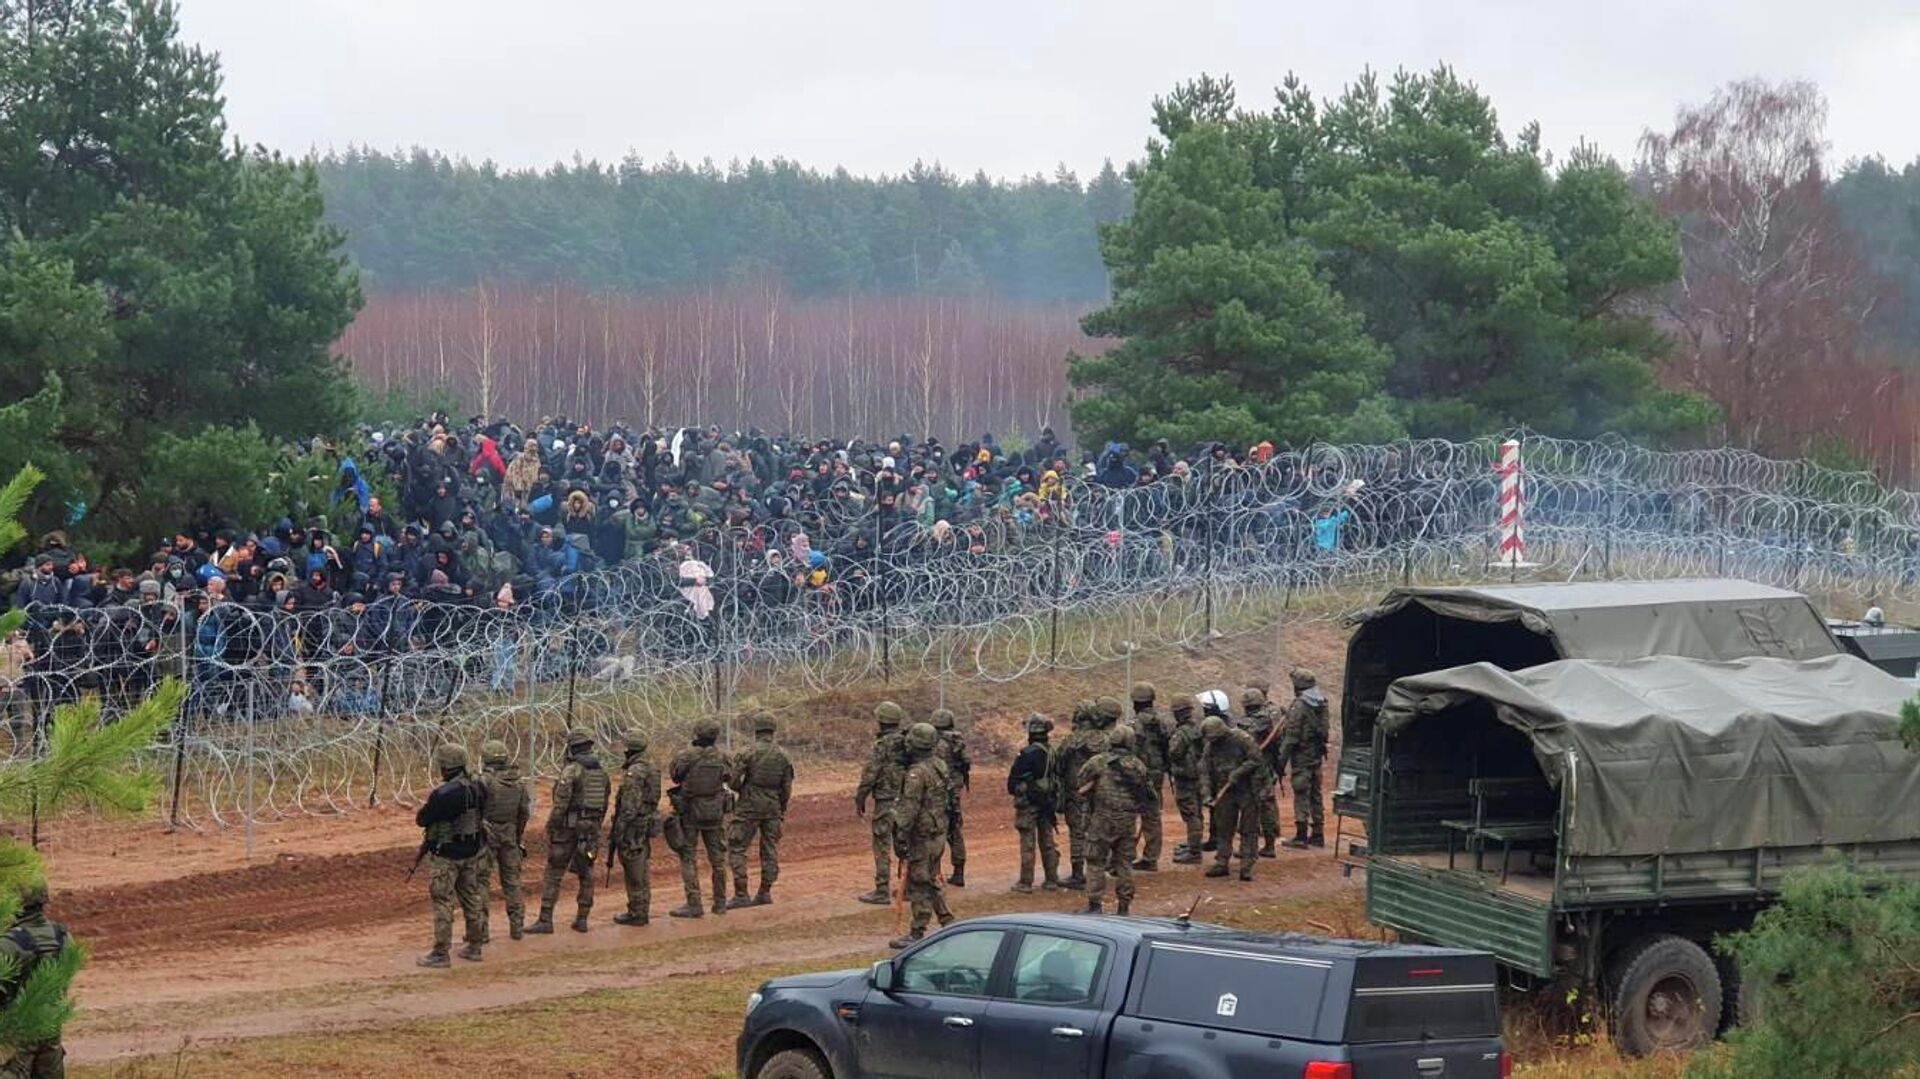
<point>953,754</point>
<point>1067,758</point>
<point>763,777</point>
<point>1034,795</point>
<point>1229,766</point>
<point>1260,724</point>
<point>1150,744</point>
<point>509,806</point>
<point>1303,747</point>
<point>1115,783</point>
<point>920,831</point>
<point>580,798</point>
<point>456,848</point>
<point>880,780</point>
<point>636,819</point>
<point>699,773</point>
<point>30,940</point>
<point>1183,766</point>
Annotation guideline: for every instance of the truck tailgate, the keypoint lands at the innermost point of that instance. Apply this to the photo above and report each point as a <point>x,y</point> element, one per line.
<point>1467,1059</point>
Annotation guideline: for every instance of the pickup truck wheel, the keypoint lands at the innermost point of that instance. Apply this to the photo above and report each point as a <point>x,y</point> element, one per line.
<point>794,1064</point>
<point>1665,996</point>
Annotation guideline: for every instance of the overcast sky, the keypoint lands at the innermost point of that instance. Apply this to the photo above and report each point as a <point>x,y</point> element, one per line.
<point>1009,86</point>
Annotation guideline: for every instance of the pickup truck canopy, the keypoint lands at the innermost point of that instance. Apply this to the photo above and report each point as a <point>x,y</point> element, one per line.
<point>1671,754</point>
<point>1706,618</point>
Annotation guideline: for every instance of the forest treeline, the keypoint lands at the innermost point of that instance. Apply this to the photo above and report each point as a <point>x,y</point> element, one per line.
<point>420,220</point>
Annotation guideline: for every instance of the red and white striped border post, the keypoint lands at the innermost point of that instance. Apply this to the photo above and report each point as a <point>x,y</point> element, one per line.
<point>1513,541</point>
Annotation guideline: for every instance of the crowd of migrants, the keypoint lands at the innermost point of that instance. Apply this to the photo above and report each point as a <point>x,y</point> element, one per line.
<point>1105,781</point>
<point>498,530</point>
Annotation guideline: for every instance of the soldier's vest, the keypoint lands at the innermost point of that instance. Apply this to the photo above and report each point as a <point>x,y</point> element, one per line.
<point>765,769</point>
<point>503,800</point>
<point>887,780</point>
<point>931,823</point>
<point>464,826</point>
<point>701,787</point>
<point>591,786</point>
<point>1116,792</point>
<point>31,943</point>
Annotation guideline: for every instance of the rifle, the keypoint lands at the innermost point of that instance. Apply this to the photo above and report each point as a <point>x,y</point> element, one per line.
<point>613,840</point>
<point>899,896</point>
<point>418,855</point>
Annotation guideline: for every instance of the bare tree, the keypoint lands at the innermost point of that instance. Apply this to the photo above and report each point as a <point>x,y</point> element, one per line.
<point>1771,287</point>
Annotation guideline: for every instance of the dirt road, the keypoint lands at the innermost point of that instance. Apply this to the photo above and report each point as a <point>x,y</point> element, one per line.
<point>324,940</point>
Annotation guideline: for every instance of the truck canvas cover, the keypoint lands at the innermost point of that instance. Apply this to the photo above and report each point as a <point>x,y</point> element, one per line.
<point>1706,619</point>
<point>1669,754</point>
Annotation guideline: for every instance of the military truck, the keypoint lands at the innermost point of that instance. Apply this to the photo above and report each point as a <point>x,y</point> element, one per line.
<point>1417,630</point>
<point>1598,823</point>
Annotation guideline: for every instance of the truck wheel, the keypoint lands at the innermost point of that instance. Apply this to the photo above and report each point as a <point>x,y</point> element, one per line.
<point>1740,1002</point>
<point>1664,996</point>
<point>794,1064</point>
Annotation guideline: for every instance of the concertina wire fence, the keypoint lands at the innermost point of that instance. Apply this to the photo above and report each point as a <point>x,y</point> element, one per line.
<point>1230,551</point>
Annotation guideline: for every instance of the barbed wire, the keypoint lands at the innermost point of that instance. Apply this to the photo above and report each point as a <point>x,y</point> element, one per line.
<point>319,712</point>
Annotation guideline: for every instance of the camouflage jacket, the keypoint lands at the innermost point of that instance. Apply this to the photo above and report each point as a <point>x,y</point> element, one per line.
<point>1115,783</point>
<point>1068,756</point>
<point>920,813</point>
<point>881,778</point>
<point>1184,746</point>
<point>763,776</point>
<point>638,805</point>
<point>952,751</point>
<point>509,804</point>
<point>1303,742</point>
<point>581,783</point>
<point>1233,759</point>
<point>1151,741</point>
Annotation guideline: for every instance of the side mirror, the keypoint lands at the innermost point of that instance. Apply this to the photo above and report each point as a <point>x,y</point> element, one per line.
<point>881,976</point>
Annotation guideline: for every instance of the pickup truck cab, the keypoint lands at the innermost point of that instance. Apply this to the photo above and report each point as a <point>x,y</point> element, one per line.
<point>1074,996</point>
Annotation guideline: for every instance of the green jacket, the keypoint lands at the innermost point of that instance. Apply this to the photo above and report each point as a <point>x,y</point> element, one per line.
<point>763,776</point>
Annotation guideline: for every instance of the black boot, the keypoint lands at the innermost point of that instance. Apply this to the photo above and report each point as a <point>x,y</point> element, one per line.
<point>1217,869</point>
<point>764,897</point>
<point>959,877</point>
<point>631,920</point>
<point>1093,907</point>
<point>543,924</point>
<point>437,959</point>
<point>1125,908</point>
<point>1299,840</point>
<point>471,953</point>
<point>878,897</point>
<point>515,928</point>
<point>690,909</point>
<point>739,900</point>
<point>1266,849</point>
<point>1318,838</point>
<point>580,922</point>
<point>1146,865</point>
<point>1209,846</point>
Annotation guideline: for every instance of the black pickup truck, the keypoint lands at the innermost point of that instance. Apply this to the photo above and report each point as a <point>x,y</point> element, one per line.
<point>1076,997</point>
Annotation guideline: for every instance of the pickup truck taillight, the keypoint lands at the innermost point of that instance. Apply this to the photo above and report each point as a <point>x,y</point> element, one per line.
<point>1506,1065</point>
<point>1325,1069</point>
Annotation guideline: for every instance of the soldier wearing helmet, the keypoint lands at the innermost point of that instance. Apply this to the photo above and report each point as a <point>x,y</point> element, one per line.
<point>636,820</point>
<point>880,781</point>
<point>1183,766</point>
<point>1257,720</point>
<point>1114,782</point>
<point>509,806</point>
<point>953,753</point>
<point>581,794</point>
<point>920,831</point>
<point>32,938</point>
<point>451,816</point>
<point>763,777</point>
<point>1303,748</point>
<point>1150,744</point>
<point>1229,763</point>
<point>1030,783</point>
<point>700,801</point>
<point>1073,752</point>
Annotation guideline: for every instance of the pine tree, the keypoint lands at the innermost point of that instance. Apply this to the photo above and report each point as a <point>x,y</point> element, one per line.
<point>87,764</point>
